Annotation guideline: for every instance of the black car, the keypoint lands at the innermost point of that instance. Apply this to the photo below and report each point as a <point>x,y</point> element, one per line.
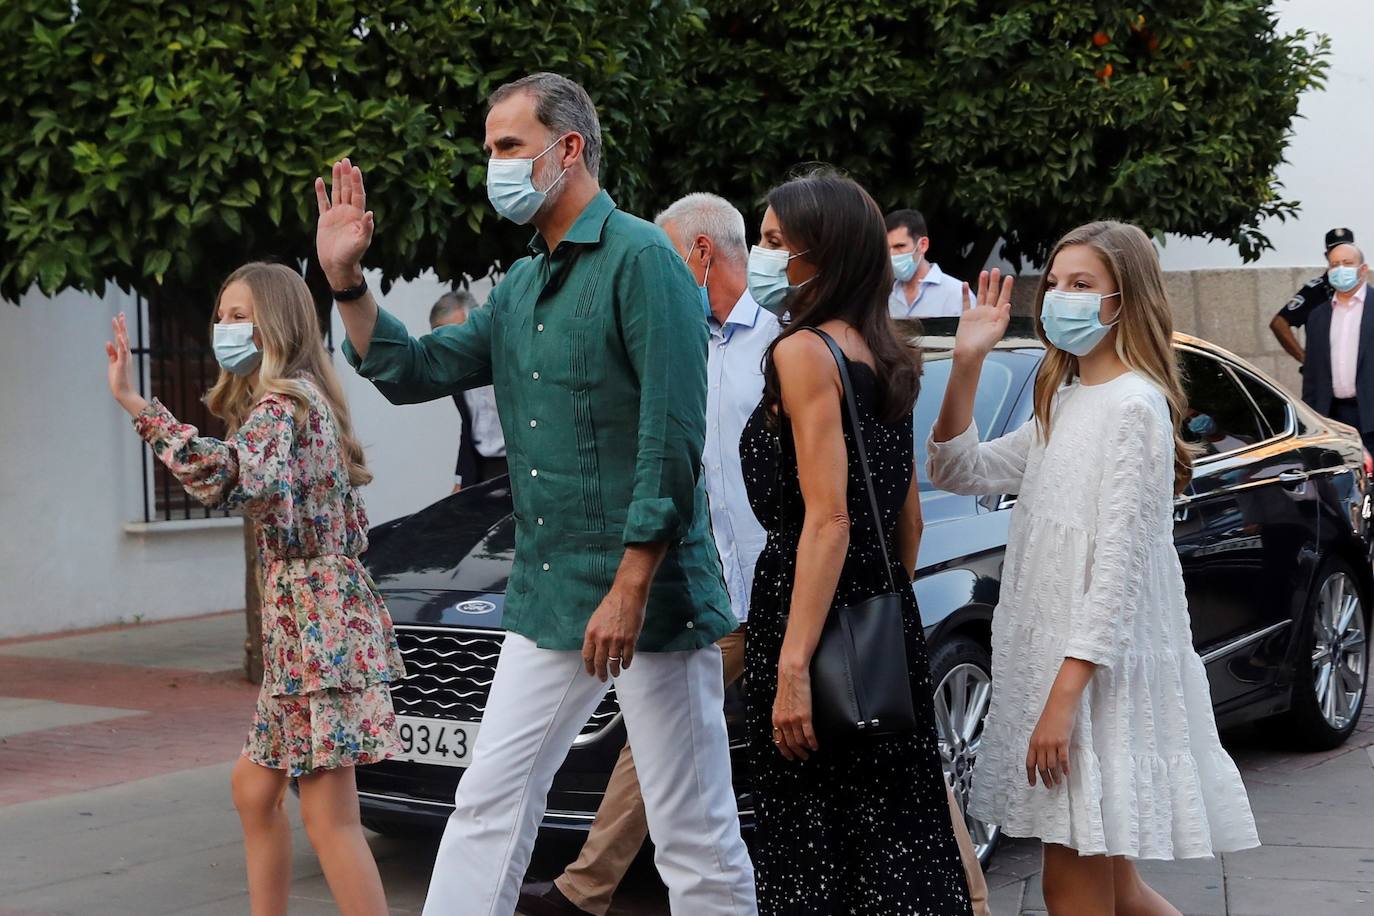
<point>1273,535</point>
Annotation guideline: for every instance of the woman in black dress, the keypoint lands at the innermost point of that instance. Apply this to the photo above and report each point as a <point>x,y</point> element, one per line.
<point>856,826</point>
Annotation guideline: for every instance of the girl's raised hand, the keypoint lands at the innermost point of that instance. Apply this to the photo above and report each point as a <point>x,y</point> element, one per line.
<point>120,368</point>
<point>984,321</point>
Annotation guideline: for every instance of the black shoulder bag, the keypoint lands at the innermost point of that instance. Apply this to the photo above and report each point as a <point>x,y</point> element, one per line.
<point>860,683</point>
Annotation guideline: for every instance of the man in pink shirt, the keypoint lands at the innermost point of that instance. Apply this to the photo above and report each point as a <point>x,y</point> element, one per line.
<point>1337,382</point>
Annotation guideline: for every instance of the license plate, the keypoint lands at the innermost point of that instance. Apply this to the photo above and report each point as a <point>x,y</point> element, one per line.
<point>436,741</point>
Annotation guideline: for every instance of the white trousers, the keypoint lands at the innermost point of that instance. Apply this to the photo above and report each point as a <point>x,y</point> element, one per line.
<point>540,699</point>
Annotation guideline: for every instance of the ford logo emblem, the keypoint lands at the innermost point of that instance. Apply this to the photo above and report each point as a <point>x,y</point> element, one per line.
<point>474,607</point>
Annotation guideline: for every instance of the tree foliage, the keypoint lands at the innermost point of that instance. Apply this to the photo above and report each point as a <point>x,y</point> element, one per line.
<point>160,144</point>
<point>1013,120</point>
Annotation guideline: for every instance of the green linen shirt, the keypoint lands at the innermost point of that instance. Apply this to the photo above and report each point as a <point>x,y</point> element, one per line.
<point>597,353</point>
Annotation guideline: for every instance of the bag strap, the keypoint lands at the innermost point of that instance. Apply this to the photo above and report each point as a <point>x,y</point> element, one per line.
<point>842,362</point>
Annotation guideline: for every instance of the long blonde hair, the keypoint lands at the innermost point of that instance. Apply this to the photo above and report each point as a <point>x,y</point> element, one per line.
<point>293,354</point>
<point>1145,329</point>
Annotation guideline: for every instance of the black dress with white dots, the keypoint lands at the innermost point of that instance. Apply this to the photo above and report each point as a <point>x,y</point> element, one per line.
<point>862,828</point>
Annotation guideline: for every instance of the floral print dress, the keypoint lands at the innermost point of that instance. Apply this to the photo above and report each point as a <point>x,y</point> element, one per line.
<point>329,650</point>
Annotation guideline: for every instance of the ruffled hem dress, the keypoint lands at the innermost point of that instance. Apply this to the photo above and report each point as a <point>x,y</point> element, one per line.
<point>1092,573</point>
<point>329,648</point>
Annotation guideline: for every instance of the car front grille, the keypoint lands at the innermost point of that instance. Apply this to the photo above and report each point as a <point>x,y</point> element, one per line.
<point>449,673</point>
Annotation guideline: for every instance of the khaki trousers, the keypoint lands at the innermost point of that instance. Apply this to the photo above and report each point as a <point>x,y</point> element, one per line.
<point>620,827</point>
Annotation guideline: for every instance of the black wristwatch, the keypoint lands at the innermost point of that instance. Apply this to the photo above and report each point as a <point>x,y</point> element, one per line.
<point>350,294</point>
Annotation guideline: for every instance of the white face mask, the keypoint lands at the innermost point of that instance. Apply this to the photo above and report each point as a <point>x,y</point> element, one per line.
<point>511,190</point>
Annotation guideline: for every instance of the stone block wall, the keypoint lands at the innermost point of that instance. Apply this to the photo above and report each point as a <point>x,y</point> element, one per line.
<point>1231,307</point>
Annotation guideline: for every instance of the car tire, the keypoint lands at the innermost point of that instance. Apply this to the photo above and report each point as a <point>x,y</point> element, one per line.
<point>1331,660</point>
<point>961,672</point>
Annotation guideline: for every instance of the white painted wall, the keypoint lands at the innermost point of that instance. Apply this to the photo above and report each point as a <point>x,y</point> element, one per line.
<point>1329,158</point>
<point>72,550</point>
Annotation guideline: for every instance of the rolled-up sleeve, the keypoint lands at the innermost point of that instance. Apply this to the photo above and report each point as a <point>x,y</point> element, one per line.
<point>411,370</point>
<point>665,337</point>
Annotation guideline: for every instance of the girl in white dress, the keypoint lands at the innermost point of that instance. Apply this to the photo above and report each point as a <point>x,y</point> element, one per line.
<point>1100,738</point>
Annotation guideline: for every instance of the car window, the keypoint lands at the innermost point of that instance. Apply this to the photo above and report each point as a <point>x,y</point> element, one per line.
<point>989,404</point>
<point>1272,405</point>
<point>1219,417</point>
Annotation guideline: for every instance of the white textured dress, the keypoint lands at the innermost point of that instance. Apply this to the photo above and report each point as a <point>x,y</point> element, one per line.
<point>1091,573</point>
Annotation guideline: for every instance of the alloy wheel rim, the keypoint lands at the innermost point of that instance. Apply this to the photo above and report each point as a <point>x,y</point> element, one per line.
<point>1339,651</point>
<point>961,703</point>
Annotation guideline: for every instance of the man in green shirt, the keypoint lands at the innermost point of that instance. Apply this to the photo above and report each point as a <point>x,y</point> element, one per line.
<point>596,350</point>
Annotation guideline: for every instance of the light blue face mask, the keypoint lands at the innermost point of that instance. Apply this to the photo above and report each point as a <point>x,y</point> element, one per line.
<point>705,292</point>
<point>1073,321</point>
<point>511,190</point>
<point>768,277</point>
<point>904,266</point>
<point>1202,426</point>
<point>1344,278</point>
<point>234,348</point>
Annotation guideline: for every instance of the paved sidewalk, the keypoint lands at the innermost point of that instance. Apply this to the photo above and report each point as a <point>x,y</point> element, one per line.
<point>116,745</point>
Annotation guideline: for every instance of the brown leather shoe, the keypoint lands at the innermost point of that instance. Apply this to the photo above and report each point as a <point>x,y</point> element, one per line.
<point>545,899</point>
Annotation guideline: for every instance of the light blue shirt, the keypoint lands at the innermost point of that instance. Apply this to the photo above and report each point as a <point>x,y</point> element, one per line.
<point>734,387</point>
<point>938,296</point>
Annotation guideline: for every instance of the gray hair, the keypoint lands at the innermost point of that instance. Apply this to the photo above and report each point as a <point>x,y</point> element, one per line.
<point>450,303</point>
<point>563,107</point>
<point>711,216</point>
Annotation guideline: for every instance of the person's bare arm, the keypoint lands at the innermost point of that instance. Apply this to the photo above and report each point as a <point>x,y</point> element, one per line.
<point>909,528</point>
<point>1283,332</point>
<point>981,326</point>
<point>811,397</point>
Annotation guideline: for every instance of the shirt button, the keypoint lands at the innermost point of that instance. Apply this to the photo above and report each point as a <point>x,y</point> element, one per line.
<point>535,375</point>
<point>690,625</point>
<point>546,567</point>
<point>533,424</point>
<point>539,327</point>
<point>534,472</point>
<point>539,521</point>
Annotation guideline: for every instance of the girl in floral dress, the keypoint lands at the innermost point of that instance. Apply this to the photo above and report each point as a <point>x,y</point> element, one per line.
<point>291,465</point>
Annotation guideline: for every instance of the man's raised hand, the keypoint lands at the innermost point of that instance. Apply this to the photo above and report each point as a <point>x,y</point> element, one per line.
<point>345,228</point>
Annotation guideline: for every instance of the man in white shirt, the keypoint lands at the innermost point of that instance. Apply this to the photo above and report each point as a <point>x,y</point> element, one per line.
<point>481,443</point>
<point>709,234</point>
<point>922,289</point>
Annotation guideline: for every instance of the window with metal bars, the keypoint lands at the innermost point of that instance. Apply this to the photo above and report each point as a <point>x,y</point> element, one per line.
<point>175,364</point>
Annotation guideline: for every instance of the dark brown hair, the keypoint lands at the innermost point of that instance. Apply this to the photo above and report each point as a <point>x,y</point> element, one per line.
<point>840,227</point>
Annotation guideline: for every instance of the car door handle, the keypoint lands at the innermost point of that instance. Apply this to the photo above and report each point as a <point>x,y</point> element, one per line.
<point>1293,478</point>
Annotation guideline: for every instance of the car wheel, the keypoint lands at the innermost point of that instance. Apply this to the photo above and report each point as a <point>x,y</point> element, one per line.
<point>961,670</point>
<point>1332,661</point>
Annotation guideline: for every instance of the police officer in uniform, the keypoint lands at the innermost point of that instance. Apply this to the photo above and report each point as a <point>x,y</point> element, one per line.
<point>1312,294</point>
